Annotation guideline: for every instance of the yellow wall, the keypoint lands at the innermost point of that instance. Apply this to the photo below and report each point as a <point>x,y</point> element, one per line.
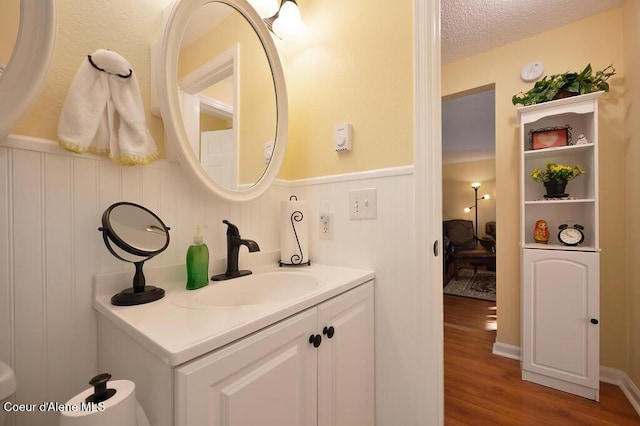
<point>632,175</point>
<point>222,91</point>
<point>341,72</point>
<point>597,40</point>
<point>458,194</point>
<point>9,20</point>
<point>355,65</point>
<point>127,27</point>
<point>208,123</point>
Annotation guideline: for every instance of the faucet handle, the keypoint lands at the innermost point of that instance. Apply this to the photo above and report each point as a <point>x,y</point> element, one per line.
<point>232,230</point>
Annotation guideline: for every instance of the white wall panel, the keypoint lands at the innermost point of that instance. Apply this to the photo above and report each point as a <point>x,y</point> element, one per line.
<point>58,271</point>
<point>384,244</point>
<point>51,203</point>
<point>130,184</point>
<point>87,246</point>
<point>29,279</point>
<point>6,270</point>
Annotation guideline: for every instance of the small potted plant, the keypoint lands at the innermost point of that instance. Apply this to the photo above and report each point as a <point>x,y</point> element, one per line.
<point>555,178</point>
<point>566,84</point>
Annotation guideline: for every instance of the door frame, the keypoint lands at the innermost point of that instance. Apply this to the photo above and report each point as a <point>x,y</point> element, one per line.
<point>429,384</point>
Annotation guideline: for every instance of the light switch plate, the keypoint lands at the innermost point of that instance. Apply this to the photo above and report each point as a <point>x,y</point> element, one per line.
<point>363,204</point>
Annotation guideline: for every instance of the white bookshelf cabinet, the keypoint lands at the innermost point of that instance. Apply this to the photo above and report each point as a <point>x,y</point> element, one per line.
<point>560,284</point>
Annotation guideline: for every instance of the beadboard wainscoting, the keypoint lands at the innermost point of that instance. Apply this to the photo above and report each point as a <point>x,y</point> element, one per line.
<point>51,203</point>
<point>386,245</point>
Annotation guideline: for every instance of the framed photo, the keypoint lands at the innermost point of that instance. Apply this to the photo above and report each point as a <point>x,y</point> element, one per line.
<point>550,137</point>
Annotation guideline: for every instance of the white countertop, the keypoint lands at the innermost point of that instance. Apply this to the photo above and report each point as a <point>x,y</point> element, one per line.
<point>176,334</point>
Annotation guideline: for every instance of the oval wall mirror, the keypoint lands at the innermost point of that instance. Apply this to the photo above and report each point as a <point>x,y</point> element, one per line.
<point>222,96</point>
<point>134,234</point>
<point>27,54</point>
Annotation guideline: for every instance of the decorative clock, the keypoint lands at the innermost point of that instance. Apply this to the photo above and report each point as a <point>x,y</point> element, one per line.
<point>571,235</point>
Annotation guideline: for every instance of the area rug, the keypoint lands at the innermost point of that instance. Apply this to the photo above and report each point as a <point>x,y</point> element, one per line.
<point>481,285</point>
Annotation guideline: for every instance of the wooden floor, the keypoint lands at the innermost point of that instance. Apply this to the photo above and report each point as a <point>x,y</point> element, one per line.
<point>485,389</point>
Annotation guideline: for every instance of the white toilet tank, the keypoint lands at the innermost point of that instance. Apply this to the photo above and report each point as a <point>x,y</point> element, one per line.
<point>7,388</point>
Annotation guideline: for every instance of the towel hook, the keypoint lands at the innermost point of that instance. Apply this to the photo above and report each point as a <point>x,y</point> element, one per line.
<point>100,69</point>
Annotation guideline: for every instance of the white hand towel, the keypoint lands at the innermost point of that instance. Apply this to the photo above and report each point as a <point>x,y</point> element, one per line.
<point>103,112</point>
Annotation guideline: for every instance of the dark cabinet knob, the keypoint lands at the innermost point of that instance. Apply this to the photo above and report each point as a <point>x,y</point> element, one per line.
<point>328,331</point>
<point>594,321</point>
<point>315,340</point>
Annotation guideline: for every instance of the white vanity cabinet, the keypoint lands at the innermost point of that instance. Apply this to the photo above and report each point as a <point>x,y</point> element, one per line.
<point>560,284</point>
<point>277,377</point>
<point>247,364</point>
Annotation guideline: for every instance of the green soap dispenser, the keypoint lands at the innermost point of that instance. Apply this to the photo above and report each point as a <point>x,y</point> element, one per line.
<point>197,263</point>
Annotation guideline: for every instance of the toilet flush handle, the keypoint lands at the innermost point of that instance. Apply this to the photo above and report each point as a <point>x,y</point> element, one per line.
<point>100,391</point>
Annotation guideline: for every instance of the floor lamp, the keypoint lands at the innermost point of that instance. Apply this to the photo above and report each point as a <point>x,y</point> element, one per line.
<point>475,186</point>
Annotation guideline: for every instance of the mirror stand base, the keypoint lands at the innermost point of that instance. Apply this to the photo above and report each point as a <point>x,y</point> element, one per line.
<point>130,297</point>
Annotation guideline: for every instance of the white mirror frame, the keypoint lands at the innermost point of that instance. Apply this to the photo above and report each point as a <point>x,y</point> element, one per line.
<point>169,97</point>
<point>26,72</point>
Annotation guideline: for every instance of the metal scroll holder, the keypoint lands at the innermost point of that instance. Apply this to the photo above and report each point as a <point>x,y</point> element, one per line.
<point>296,259</point>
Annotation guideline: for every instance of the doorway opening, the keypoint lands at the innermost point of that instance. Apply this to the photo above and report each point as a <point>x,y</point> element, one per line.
<point>469,204</point>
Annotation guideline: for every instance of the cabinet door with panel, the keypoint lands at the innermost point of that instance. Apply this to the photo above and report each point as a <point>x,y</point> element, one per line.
<point>346,388</point>
<point>315,368</point>
<point>560,342</point>
<point>268,378</point>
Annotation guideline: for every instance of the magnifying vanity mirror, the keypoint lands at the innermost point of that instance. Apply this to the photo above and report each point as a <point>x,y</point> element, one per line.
<point>134,234</point>
<point>27,34</point>
<point>222,96</point>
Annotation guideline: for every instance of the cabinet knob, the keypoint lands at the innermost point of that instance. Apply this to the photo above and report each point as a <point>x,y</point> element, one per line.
<point>315,340</point>
<point>594,321</point>
<point>328,331</point>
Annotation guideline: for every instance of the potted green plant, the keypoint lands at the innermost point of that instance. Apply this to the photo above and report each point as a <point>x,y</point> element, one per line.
<point>564,85</point>
<point>555,178</point>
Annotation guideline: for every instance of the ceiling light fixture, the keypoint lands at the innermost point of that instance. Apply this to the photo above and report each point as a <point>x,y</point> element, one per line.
<point>265,8</point>
<point>287,23</point>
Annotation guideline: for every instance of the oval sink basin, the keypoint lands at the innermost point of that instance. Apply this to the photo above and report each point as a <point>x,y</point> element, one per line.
<point>255,289</point>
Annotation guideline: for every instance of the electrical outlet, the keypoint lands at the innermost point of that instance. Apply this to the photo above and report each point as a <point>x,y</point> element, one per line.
<point>363,204</point>
<point>326,225</point>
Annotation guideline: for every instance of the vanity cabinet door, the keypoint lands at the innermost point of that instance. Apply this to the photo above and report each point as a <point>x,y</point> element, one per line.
<point>346,359</point>
<point>268,378</point>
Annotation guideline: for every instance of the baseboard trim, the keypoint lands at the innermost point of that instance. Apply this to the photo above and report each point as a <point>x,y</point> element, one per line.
<point>623,381</point>
<point>562,385</point>
<point>507,351</point>
<point>607,374</point>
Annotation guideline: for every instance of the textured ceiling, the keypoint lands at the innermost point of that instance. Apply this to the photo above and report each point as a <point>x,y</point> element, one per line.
<point>470,27</point>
